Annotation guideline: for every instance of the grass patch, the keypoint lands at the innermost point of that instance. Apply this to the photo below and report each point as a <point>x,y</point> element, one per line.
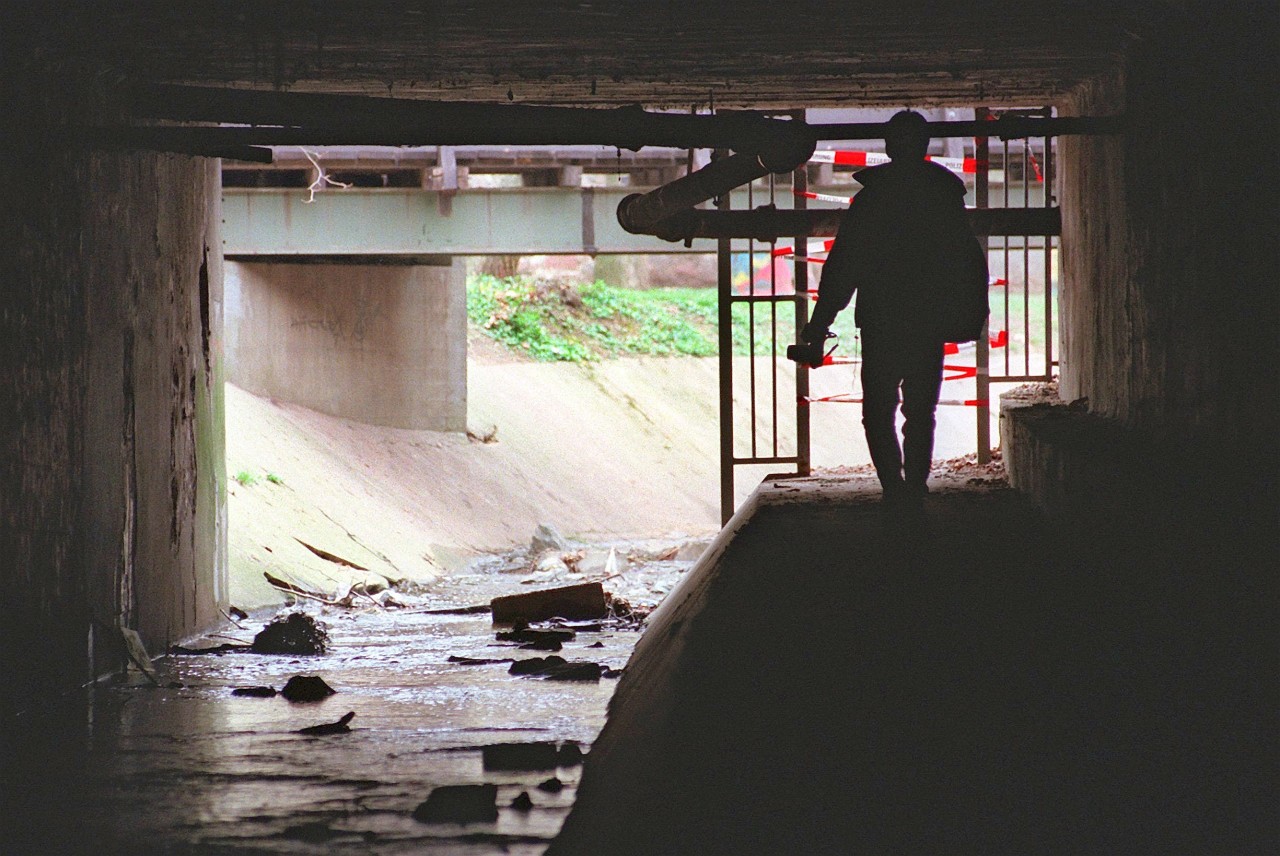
<point>593,321</point>
<point>580,323</point>
<point>246,478</point>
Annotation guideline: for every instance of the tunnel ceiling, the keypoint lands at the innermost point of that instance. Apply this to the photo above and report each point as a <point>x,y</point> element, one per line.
<point>659,54</point>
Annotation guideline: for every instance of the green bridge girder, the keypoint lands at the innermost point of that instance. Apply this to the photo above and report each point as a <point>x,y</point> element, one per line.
<point>415,223</point>
<point>412,222</point>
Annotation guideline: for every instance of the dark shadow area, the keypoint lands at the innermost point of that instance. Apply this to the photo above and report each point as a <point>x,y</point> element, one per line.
<point>990,684</point>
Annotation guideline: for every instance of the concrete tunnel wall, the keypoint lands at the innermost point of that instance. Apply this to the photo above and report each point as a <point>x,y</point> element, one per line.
<point>381,344</point>
<point>1169,284</point>
<point>114,507</point>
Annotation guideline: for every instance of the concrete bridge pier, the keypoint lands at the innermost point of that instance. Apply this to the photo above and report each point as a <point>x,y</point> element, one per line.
<point>376,339</point>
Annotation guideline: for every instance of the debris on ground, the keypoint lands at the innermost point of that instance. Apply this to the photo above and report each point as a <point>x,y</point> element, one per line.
<point>307,688</point>
<point>457,610</point>
<point>582,601</point>
<point>537,640</point>
<point>332,557</point>
<point>570,755</point>
<point>478,661</point>
<point>137,654</point>
<point>342,726</point>
<point>552,785</point>
<point>224,648</point>
<point>255,692</point>
<point>555,668</point>
<point>459,804</point>
<point>237,613</point>
<point>296,633</point>
<point>523,802</point>
<point>546,538</point>
<point>535,665</point>
<point>520,756</point>
<point>624,610</point>
<point>308,594</point>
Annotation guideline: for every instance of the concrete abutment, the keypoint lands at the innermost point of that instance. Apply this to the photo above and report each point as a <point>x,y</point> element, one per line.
<point>113,510</point>
<point>384,344</point>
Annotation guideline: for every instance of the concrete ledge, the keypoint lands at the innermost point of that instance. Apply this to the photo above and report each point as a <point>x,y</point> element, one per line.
<point>827,680</point>
<point>1078,465</point>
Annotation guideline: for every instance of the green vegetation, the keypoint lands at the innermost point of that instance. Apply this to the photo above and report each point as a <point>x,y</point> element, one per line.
<point>597,320</point>
<point>274,479</point>
<point>246,478</point>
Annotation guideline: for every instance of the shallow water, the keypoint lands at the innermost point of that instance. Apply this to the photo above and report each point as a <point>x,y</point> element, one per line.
<point>197,770</point>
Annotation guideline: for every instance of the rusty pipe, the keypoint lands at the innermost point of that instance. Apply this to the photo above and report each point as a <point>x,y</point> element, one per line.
<point>641,213</point>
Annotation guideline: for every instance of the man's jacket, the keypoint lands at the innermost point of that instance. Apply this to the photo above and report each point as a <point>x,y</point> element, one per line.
<point>906,247</point>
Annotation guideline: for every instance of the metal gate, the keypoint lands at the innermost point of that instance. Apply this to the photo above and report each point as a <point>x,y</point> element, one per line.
<point>764,294</point>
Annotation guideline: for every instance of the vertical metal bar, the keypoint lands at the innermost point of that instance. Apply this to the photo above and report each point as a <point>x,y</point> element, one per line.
<point>751,319</point>
<point>982,153</point>
<point>1047,174</point>
<point>1026,257</point>
<point>773,320</point>
<point>1008,277</point>
<point>800,183</point>
<point>724,288</point>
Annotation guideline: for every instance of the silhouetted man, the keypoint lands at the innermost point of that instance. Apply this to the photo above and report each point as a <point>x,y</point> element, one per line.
<point>906,247</point>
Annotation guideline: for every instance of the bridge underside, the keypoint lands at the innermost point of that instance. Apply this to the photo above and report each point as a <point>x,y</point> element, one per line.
<point>113,509</point>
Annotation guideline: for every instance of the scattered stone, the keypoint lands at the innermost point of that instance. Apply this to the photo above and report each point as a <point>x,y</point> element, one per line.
<point>307,688</point>
<point>555,668</point>
<point>478,661</point>
<point>551,566</point>
<point>596,644</point>
<point>570,755</point>
<point>255,692</point>
<point>388,600</point>
<point>370,586</point>
<point>535,665</point>
<point>526,636</point>
<point>523,802</point>
<point>296,633</point>
<point>342,726</point>
<point>611,674</point>
<point>582,601</point>
<point>237,613</point>
<point>551,785</point>
<point>520,756</point>
<point>547,537</point>
<point>691,551</point>
<point>573,672</point>
<point>459,804</point>
<point>483,434</point>
<point>573,560</point>
<point>622,609</point>
<point>545,644</point>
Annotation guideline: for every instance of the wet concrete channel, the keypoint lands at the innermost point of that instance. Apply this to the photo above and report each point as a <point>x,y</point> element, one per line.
<point>195,769</point>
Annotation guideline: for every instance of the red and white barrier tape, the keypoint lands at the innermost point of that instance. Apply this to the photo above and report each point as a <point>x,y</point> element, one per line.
<point>846,398</point>
<point>855,158</point>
